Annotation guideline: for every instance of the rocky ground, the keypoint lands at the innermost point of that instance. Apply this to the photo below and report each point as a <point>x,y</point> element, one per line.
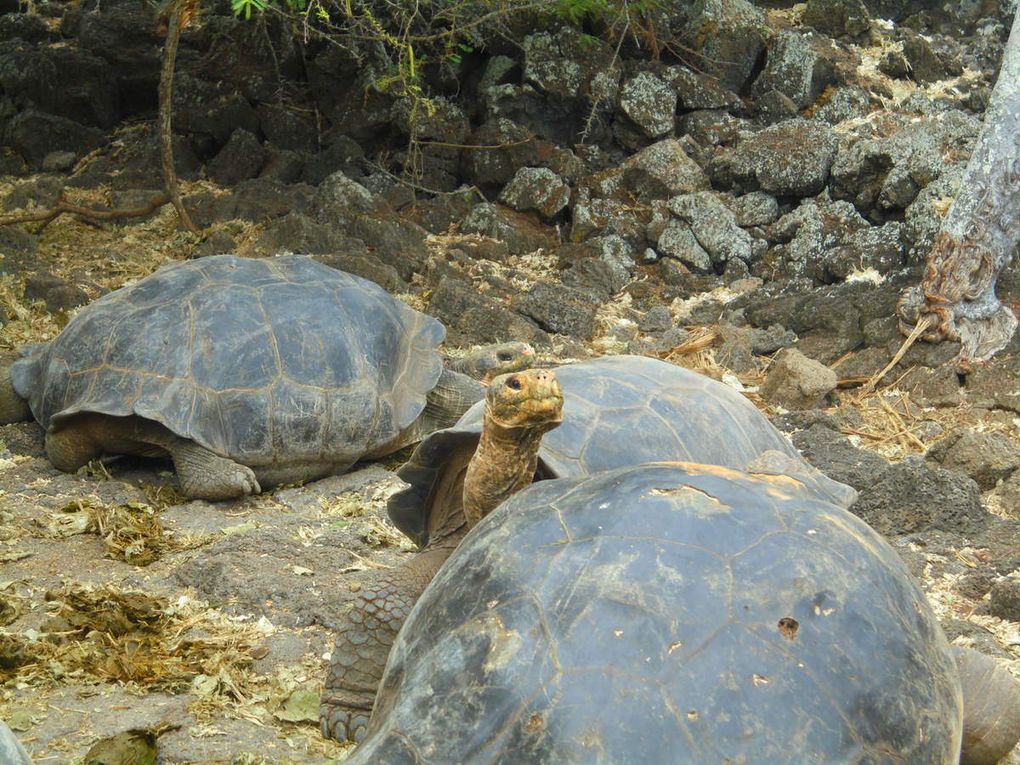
<point>753,216</point>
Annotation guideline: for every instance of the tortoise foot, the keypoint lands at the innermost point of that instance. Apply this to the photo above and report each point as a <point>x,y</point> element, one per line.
<point>204,475</point>
<point>341,722</point>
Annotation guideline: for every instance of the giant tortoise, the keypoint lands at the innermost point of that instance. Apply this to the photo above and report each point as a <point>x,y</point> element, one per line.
<point>11,750</point>
<point>677,613</point>
<point>618,411</point>
<point>246,372</point>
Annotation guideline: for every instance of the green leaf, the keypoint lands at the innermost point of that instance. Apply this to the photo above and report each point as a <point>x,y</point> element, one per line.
<point>132,747</point>
<point>301,706</point>
<point>20,720</point>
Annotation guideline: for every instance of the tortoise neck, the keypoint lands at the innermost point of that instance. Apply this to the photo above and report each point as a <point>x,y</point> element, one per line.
<point>453,394</point>
<point>504,463</point>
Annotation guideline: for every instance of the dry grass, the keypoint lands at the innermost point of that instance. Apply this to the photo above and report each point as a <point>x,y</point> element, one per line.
<point>106,634</point>
<point>145,644</point>
<point>353,509</point>
<point>131,532</point>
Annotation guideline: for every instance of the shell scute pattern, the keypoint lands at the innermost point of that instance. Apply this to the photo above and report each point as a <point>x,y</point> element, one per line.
<point>607,445</point>
<point>304,353</point>
<point>257,360</point>
<point>618,411</point>
<point>643,615</point>
<point>228,323</point>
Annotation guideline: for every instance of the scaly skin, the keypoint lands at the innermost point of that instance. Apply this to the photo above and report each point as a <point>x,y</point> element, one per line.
<point>363,640</point>
<point>201,473</point>
<point>13,408</point>
<point>991,708</point>
<point>520,408</point>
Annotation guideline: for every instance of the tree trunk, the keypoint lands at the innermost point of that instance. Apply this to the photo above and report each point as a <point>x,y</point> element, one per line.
<point>979,235</point>
<point>179,11</point>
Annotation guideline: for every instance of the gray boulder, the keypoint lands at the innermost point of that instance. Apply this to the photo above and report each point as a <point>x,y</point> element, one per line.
<point>1004,598</point>
<point>240,158</point>
<point>912,496</point>
<point>35,135</point>
<point>881,175</point>
<point>986,457</point>
<point>61,80</point>
<point>560,310</point>
<point>536,189</point>
<point>650,103</point>
<point>714,226</point>
<point>678,241</point>
<point>473,318</point>
<point>837,17</point>
<point>496,166</point>
<point>831,452</point>
<point>794,69</point>
<point>728,37</point>
<point>789,159</point>
<point>659,171</point>
<point>795,381</point>
<point>591,216</point>
<point>521,234</point>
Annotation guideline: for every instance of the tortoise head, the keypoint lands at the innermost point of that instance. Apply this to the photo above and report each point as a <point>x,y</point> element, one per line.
<point>489,361</point>
<point>527,399</point>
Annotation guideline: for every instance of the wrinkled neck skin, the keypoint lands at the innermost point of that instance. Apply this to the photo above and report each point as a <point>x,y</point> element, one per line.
<point>504,463</point>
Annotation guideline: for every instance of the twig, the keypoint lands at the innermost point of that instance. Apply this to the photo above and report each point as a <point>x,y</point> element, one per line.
<point>694,345</point>
<point>63,206</point>
<point>609,69</point>
<point>903,428</point>
<point>479,146</point>
<point>922,325</point>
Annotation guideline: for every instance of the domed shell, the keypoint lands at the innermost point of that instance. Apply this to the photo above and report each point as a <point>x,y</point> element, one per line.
<point>264,361</point>
<point>619,411</point>
<point>674,613</point>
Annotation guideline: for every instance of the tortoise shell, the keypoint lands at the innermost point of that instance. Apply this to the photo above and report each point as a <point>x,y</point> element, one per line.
<point>263,361</point>
<point>674,613</point>
<point>619,411</point>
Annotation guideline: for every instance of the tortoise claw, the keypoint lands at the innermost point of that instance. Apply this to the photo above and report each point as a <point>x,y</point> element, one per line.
<point>342,723</point>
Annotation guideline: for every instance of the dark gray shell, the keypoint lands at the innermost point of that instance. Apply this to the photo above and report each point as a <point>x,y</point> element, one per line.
<point>619,411</point>
<point>669,613</point>
<point>263,361</point>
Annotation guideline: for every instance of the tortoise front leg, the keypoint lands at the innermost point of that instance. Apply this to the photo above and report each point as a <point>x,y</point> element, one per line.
<point>13,408</point>
<point>364,638</point>
<point>206,475</point>
<point>71,448</point>
<point>203,474</point>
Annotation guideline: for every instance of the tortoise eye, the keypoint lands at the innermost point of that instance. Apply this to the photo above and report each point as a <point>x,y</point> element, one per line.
<point>513,383</point>
<point>503,356</point>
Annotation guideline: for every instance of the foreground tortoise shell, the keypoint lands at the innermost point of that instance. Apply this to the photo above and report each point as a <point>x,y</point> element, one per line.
<point>618,411</point>
<point>272,363</point>
<point>669,613</point>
